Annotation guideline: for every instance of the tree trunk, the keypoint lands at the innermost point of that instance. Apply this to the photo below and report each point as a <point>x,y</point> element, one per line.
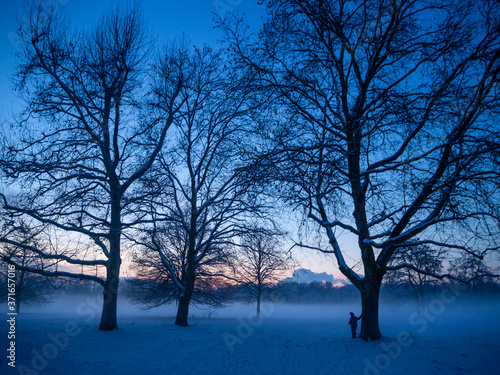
<point>183,307</point>
<point>259,294</point>
<point>110,301</point>
<point>182,312</point>
<point>369,304</point>
<point>108,317</point>
<point>19,290</point>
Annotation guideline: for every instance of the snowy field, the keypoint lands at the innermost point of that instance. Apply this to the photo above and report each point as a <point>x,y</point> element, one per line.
<point>450,337</point>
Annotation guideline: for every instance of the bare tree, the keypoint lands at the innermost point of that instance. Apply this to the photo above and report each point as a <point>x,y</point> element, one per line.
<point>384,124</point>
<point>84,139</point>
<point>30,287</point>
<point>472,268</point>
<point>154,285</point>
<point>205,195</point>
<point>424,258</point>
<point>261,262</point>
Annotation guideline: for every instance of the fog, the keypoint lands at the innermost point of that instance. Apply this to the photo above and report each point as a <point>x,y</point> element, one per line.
<point>452,307</point>
<point>450,333</point>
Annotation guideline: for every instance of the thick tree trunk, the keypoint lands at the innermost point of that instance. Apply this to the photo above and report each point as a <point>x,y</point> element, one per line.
<point>183,304</point>
<point>369,304</point>
<point>182,312</point>
<point>183,308</point>
<point>110,301</point>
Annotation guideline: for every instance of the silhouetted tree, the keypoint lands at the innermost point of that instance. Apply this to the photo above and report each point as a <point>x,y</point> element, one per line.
<point>261,262</point>
<point>85,138</point>
<point>154,285</point>
<point>424,258</point>
<point>384,123</point>
<point>474,269</point>
<point>30,287</point>
<point>205,194</point>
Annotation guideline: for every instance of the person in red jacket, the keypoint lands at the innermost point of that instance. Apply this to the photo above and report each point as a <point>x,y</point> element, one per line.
<point>353,321</point>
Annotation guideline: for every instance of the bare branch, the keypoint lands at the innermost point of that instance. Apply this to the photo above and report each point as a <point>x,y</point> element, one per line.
<point>438,276</point>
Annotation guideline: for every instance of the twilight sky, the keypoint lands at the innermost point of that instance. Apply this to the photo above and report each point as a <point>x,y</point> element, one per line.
<point>165,19</point>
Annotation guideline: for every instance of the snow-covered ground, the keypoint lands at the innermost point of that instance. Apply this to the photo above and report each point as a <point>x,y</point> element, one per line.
<point>450,337</point>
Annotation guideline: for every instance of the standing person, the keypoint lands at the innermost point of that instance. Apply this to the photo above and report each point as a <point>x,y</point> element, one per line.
<point>353,321</point>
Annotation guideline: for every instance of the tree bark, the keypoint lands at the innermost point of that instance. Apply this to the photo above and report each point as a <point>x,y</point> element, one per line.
<point>183,307</point>
<point>369,305</point>
<point>184,300</point>
<point>110,301</point>
<point>108,317</point>
<point>182,312</point>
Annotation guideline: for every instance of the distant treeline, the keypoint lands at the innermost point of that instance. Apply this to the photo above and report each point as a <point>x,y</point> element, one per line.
<point>283,292</point>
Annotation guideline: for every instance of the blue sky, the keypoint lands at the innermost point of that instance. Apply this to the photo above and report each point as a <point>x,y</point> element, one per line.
<point>166,19</point>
